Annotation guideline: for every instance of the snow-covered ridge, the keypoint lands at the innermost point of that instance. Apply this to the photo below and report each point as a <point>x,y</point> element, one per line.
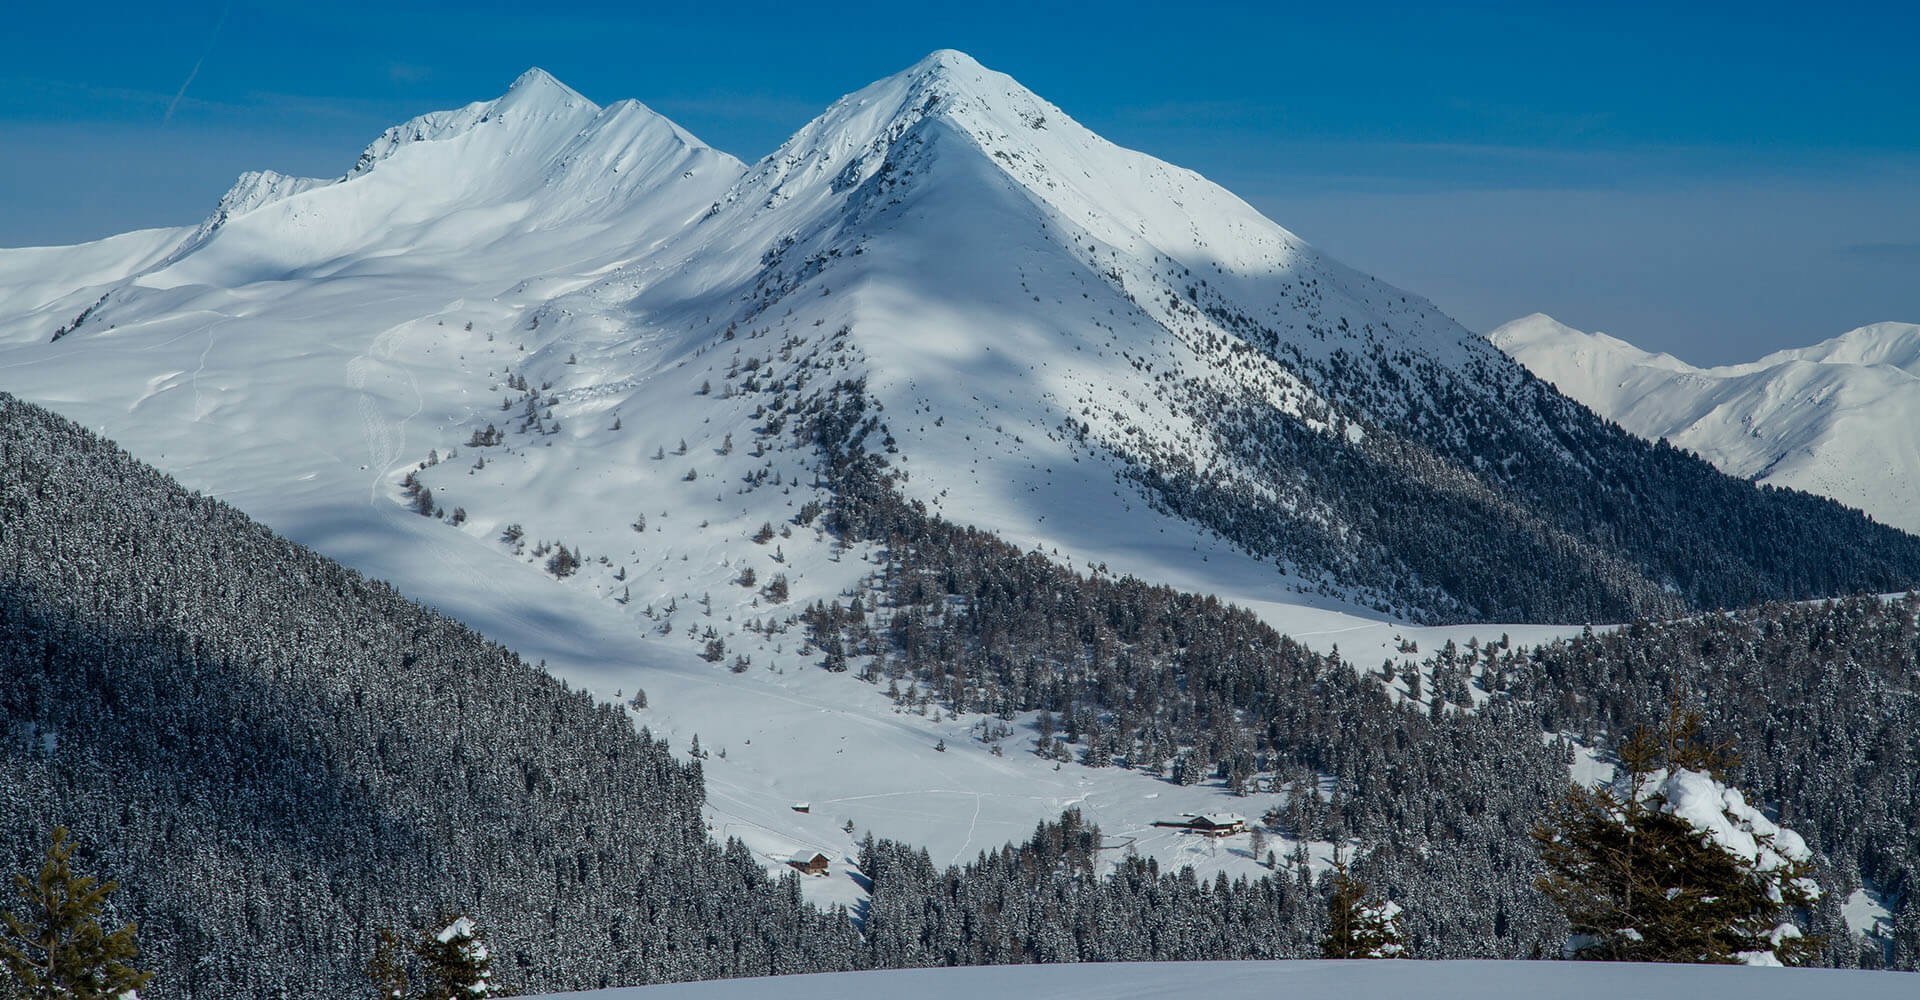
<point>1836,418</point>
<point>538,159</point>
<point>44,289</point>
<point>1893,345</point>
<point>533,99</point>
<point>600,183</point>
<point>254,189</point>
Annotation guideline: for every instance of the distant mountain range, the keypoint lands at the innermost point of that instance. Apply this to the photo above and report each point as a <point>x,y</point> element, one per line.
<point>1840,418</point>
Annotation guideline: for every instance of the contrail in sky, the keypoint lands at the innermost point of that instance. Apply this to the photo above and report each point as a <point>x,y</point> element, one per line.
<point>188,82</point>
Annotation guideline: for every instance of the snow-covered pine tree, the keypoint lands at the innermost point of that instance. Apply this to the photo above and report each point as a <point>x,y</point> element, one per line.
<point>456,962</point>
<point>54,947</point>
<point>1668,864</point>
<point>1359,926</point>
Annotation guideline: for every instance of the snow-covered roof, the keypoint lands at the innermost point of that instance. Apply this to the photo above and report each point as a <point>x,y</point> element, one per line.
<point>807,856</point>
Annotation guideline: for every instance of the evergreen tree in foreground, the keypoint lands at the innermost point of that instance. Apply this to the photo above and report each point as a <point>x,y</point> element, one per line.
<point>53,945</point>
<point>453,962</point>
<point>1357,925</point>
<point>1668,864</point>
<point>456,961</point>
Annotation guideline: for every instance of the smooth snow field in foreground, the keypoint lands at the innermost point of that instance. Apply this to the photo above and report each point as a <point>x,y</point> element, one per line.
<point>1470,980</point>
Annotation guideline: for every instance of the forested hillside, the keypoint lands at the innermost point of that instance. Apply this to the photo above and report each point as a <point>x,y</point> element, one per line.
<point>1438,768</point>
<point>1491,497</point>
<point>277,757</point>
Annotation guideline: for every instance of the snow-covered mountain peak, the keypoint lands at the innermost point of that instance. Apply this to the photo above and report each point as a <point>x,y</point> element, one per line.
<point>536,107</point>
<point>992,109</point>
<point>1048,314</point>
<point>955,77</point>
<point>1534,325</point>
<point>879,130</point>
<point>250,191</point>
<point>946,61</point>
<point>942,75</point>
<point>947,122</point>
<point>1600,353</point>
<point>1548,345</point>
<point>458,194</point>
<point>538,85</point>
<point>538,158</point>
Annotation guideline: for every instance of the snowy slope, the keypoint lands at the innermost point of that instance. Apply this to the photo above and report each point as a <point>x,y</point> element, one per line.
<point>1053,256</point>
<point>1466,980</point>
<point>1837,418</point>
<point>951,172</point>
<point>49,289</point>
<point>820,260</point>
<point>1045,324</point>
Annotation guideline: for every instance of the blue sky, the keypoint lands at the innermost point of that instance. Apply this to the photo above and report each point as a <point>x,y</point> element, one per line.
<point>1716,182</point>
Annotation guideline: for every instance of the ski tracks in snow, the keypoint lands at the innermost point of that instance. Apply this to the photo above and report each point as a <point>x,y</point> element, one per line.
<point>386,443</point>
<point>201,369</point>
<point>386,439</point>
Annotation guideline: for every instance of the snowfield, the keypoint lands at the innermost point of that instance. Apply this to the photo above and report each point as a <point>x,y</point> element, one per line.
<point>1315,980</point>
<point>1836,419</point>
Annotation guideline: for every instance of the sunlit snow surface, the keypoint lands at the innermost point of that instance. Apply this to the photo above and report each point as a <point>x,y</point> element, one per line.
<point>998,270</point>
<point>1379,980</point>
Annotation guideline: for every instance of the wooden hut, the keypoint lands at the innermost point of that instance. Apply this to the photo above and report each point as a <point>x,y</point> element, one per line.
<point>810,862</point>
<point>1208,824</point>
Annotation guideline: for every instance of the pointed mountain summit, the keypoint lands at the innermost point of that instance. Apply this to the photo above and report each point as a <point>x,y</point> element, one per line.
<point>948,106</point>
<point>538,84</point>
<point>535,100</point>
<point>540,138</point>
<point>946,86</point>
